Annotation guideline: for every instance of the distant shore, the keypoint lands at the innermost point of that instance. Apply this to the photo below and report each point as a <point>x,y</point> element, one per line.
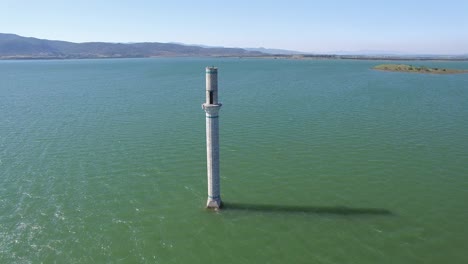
<point>373,57</point>
<point>16,47</point>
<point>416,69</point>
<point>263,56</point>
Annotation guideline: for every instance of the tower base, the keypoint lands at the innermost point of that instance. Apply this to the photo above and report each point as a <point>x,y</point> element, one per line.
<point>214,203</point>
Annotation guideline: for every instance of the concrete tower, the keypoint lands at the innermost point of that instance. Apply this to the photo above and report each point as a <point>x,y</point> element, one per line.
<point>211,107</point>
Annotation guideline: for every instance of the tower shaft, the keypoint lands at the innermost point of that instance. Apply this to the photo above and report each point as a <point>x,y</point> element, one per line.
<point>212,107</point>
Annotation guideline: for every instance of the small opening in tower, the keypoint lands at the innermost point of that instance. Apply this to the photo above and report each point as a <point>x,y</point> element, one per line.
<point>211,97</point>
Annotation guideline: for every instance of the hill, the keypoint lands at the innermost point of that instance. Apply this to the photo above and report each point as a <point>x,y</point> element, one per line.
<point>17,47</point>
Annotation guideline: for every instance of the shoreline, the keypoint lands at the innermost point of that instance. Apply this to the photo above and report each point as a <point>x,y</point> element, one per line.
<point>267,56</point>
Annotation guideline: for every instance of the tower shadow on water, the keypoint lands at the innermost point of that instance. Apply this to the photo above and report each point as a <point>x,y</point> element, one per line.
<point>292,209</point>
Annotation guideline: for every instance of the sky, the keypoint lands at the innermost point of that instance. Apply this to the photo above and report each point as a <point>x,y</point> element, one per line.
<point>325,26</point>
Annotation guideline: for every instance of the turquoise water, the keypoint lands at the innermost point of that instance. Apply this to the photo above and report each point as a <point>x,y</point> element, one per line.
<point>322,161</point>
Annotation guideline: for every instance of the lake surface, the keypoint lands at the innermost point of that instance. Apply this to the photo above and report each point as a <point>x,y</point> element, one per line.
<point>322,161</point>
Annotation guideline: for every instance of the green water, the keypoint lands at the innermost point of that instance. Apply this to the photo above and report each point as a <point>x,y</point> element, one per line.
<point>103,161</point>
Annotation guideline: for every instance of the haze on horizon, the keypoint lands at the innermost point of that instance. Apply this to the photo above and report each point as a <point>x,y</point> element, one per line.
<point>415,27</point>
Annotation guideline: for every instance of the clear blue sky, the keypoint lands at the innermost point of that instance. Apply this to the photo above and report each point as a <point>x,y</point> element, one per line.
<point>408,26</point>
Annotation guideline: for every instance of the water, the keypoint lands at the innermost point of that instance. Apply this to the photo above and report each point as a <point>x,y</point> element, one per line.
<point>103,161</point>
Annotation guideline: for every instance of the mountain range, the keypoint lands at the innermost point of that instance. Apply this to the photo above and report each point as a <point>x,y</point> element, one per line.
<point>17,47</point>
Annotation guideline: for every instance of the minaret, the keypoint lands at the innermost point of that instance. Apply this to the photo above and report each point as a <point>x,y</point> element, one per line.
<point>211,107</point>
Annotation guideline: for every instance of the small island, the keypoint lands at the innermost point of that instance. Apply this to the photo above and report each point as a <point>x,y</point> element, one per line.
<point>416,69</point>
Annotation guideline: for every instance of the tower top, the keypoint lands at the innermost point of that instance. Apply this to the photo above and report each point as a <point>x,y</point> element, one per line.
<point>211,70</point>
<point>211,85</point>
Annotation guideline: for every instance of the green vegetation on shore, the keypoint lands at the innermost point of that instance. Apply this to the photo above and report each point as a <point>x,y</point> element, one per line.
<point>416,69</point>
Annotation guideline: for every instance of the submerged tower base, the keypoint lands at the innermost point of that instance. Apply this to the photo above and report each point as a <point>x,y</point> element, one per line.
<point>214,203</point>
